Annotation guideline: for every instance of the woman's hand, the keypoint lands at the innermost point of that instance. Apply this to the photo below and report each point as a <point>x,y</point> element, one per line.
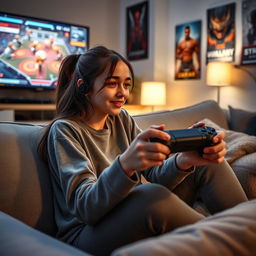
<point>143,154</point>
<point>210,155</point>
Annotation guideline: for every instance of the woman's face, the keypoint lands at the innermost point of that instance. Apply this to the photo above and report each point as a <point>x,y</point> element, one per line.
<point>111,92</point>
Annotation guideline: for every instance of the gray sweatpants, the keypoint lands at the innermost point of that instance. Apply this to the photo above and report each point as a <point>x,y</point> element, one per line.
<point>152,209</point>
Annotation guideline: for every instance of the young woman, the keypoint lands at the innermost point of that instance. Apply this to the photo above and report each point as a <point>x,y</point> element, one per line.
<point>97,154</point>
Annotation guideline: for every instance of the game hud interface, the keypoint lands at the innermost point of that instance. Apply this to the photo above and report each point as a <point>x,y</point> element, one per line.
<point>31,50</point>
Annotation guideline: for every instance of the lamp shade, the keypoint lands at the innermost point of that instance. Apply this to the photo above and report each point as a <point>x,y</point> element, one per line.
<point>218,73</point>
<point>153,93</point>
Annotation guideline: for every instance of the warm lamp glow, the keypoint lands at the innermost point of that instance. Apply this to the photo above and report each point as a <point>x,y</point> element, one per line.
<point>153,93</point>
<point>218,73</point>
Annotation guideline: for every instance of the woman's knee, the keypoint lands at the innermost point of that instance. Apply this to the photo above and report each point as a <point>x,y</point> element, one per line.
<point>152,193</point>
<point>156,205</point>
<point>206,173</point>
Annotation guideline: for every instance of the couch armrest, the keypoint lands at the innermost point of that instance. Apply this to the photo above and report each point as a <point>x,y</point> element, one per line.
<point>16,238</point>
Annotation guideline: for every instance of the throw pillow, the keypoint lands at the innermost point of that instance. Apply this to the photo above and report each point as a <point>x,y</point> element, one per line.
<point>242,120</point>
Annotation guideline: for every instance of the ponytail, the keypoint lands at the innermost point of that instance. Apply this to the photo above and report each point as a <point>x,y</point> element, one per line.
<point>66,71</point>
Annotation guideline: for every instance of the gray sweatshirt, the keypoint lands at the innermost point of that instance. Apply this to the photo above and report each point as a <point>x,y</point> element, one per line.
<point>88,181</point>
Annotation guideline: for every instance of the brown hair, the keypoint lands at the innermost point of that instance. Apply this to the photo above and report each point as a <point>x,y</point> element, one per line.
<point>70,98</point>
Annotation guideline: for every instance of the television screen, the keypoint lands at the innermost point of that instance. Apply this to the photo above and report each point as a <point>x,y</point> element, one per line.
<point>31,49</point>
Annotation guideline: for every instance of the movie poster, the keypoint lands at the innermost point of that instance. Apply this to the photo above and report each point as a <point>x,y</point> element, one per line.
<point>249,32</point>
<point>221,33</point>
<point>137,31</point>
<point>187,56</point>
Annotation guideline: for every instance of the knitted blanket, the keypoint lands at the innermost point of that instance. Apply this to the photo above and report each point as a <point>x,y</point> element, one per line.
<point>238,143</point>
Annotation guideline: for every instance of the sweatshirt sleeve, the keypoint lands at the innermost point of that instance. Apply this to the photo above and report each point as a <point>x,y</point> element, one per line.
<point>167,174</point>
<point>80,192</point>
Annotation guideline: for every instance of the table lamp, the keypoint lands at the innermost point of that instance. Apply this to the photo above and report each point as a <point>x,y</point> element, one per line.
<point>153,94</point>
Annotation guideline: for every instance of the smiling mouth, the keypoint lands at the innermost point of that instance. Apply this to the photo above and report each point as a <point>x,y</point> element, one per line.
<point>118,103</point>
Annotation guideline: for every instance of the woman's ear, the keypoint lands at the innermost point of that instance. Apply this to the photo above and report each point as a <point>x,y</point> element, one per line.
<point>83,87</point>
<point>79,82</point>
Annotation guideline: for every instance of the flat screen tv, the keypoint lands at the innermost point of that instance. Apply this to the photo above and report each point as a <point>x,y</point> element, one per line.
<point>31,50</point>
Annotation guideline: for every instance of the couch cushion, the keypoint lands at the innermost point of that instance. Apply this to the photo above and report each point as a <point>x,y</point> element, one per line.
<point>17,238</point>
<point>184,117</point>
<point>228,233</point>
<point>25,188</point>
<point>242,120</point>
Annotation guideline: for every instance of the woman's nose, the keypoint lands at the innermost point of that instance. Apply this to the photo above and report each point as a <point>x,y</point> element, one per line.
<point>122,90</point>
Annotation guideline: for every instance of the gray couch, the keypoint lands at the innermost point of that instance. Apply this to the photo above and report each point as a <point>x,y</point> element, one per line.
<point>26,210</point>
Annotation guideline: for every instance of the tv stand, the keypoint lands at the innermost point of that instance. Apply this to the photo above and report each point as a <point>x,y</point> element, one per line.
<point>31,107</point>
<point>27,112</point>
<point>45,112</point>
<point>22,100</point>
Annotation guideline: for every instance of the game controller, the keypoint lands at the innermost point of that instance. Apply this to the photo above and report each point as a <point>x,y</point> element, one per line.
<point>194,139</point>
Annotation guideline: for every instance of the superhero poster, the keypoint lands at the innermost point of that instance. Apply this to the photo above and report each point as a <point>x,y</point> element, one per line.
<point>137,31</point>
<point>221,33</point>
<point>249,32</point>
<point>187,53</point>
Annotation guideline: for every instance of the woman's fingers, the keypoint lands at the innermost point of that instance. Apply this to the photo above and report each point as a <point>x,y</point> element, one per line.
<point>198,124</point>
<point>154,133</point>
<point>142,153</point>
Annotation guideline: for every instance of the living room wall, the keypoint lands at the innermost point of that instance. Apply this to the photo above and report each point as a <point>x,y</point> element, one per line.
<point>242,93</point>
<point>164,16</point>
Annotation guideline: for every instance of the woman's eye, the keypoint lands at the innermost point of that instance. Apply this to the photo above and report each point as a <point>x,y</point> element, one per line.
<point>127,85</point>
<point>111,83</point>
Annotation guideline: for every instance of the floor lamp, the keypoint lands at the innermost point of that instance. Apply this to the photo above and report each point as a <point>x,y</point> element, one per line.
<point>153,94</point>
<point>218,74</point>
